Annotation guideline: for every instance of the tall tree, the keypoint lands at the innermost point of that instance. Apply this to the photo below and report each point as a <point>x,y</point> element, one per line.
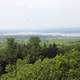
<point>11,50</point>
<point>34,49</point>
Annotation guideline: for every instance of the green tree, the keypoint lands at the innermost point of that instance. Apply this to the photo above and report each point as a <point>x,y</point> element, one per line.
<point>11,50</point>
<point>34,49</point>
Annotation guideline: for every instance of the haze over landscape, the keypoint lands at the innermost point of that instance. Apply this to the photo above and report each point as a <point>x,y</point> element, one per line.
<point>40,16</point>
<point>39,39</point>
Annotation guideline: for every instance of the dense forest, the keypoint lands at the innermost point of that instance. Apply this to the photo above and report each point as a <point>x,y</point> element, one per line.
<point>35,60</point>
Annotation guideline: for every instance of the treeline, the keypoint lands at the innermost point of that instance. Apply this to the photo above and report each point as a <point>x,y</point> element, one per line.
<point>33,61</point>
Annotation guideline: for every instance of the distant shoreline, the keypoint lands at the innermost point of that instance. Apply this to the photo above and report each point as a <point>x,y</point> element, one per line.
<point>39,34</point>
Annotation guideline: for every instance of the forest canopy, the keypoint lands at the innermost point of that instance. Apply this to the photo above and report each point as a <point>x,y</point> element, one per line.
<point>35,60</point>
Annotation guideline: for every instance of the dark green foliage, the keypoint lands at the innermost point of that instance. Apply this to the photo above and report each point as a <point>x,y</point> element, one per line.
<point>11,50</point>
<point>50,51</point>
<point>64,67</point>
<point>34,49</point>
<point>33,61</point>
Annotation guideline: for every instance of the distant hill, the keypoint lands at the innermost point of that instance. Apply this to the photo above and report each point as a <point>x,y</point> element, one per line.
<point>47,33</point>
<point>50,30</point>
<point>27,35</point>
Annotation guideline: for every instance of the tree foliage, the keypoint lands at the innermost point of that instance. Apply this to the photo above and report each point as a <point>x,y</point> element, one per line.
<point>32,61</point>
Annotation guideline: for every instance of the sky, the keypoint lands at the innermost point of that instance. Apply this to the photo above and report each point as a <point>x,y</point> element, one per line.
<point>32,15</point>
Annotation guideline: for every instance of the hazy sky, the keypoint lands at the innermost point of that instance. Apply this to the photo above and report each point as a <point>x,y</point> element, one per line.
<point>39,14</point>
